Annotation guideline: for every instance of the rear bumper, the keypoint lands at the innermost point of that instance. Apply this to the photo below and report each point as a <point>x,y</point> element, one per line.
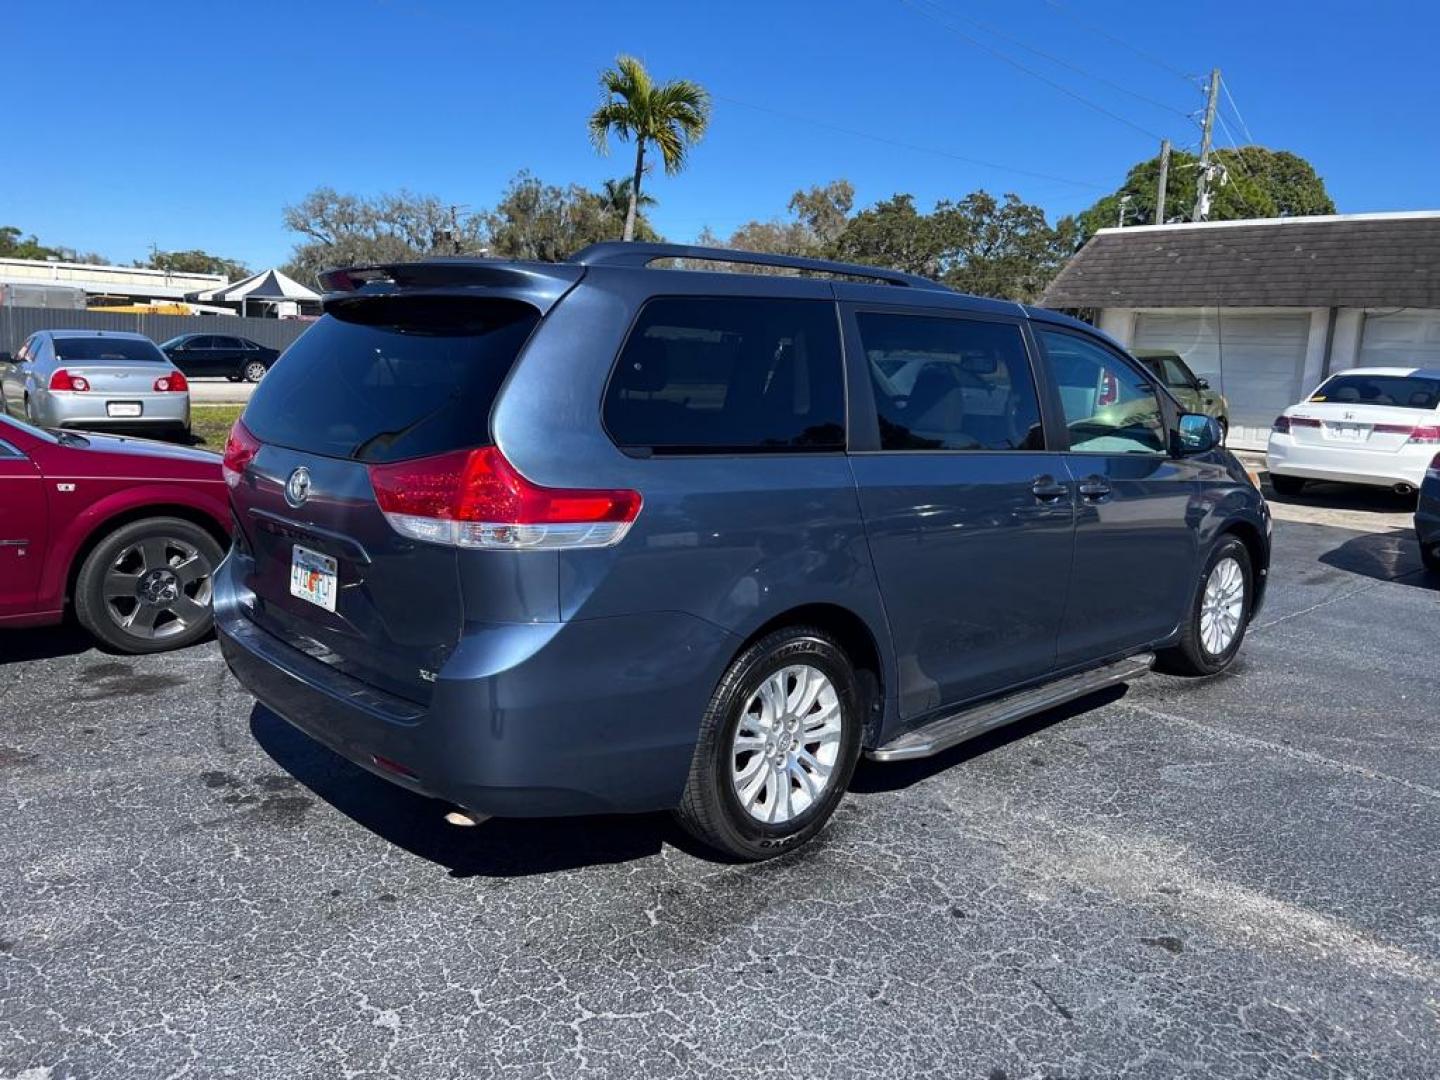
<point>526,720</point>
<point>88,410</point>
<point>1285,457</point>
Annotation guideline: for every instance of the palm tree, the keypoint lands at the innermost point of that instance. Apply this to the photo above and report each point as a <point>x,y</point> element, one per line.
<point>671,115</point>
<point>616,196</point>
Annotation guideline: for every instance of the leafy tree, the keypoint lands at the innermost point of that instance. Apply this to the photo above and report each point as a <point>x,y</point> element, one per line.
<point>16,245</point>
<point>535,220</point>
<point>673,116</point>
<point>1257,182</point>
<point>196,261</point>
<point>980,244</point>
<point>817,218</point>
<point>352,230</point>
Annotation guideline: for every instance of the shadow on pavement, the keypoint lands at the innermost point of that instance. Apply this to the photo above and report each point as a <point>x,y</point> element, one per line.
<point>1323,495</point>
<point>44,642</point>
<point>496,848</point>
<point>1388,556</point>
<point>873,777</point>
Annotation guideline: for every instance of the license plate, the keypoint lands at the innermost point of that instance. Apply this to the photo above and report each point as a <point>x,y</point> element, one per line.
<point>123,408</point>
<point>1348,432</point>
<point>313,577</point>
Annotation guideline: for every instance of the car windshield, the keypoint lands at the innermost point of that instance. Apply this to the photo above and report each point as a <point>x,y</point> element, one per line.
<point>1395,391</point>
<point>108,350</point>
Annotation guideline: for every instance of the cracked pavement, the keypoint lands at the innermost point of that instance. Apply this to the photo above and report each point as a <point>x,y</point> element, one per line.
<point>1228,878</point>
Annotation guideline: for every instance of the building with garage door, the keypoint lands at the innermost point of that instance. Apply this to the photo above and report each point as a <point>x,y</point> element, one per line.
<point>1266,309</point>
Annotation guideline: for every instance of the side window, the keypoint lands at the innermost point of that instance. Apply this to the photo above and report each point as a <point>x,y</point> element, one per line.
<point>200,341</point>
<point>945,383</point>
<point>230,344</point>
<point>721,374</point>
<point>1109,407</point>
<point>1177,375</point>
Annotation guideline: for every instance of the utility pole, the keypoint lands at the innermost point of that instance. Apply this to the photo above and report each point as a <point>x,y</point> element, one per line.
<point>1120,217</point>
<point>1202,194</point>
<point>1160,185</point>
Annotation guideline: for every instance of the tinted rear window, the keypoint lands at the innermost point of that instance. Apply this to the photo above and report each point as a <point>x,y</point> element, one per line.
<point>713,374</point>
<point>97,350</point>
<point>385,379</point>
<point>1402,391</point>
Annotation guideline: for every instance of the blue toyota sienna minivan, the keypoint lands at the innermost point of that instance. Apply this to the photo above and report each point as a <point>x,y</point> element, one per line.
<point>596,536</point>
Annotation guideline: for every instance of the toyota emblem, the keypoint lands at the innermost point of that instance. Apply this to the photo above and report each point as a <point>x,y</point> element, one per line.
<point>297,488</point>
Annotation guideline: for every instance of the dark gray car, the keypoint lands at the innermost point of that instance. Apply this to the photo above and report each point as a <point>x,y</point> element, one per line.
<point>543,539</point>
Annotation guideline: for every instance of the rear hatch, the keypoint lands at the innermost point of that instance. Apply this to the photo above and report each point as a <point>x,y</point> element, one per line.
<point>1361,411</point>
<point>383,378</point>
<point>113,366</point>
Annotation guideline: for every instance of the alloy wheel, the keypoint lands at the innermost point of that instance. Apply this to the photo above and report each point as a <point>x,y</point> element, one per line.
<point>1222,607</point>
<point>254,371</point>
<point>786,744</point>
<point>158,588</point>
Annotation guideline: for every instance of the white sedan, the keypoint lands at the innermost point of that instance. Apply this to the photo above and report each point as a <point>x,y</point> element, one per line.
<point>1375,426</point>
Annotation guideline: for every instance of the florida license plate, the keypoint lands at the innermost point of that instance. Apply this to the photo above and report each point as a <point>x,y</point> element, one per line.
<point>313,577</point>
<point>1348,432</point>
<point>123,408</point>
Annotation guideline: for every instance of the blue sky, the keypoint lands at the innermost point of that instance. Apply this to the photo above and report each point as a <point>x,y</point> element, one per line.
<point>189,125</point>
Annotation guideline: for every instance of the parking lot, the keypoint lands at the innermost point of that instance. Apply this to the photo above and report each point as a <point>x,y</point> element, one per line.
<point>1233,878</point>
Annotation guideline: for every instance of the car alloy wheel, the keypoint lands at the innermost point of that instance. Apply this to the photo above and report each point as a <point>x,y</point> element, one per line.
<point>158,588</point>
<point>254,371</point>
<point>786,744</point>
<point>1222,607</point>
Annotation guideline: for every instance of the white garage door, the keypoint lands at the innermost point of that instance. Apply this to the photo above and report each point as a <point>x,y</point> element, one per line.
<point>1256,361</point>
<point>1401,339</point>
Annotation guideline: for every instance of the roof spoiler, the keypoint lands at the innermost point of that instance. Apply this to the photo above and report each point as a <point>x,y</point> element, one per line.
<point>620,253</point>
<point>538,283</point>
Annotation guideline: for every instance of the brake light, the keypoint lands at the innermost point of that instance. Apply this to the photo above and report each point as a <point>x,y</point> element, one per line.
<point>174,383</point>
<point>63,380</point>
<point>1281,425</point>
<point>1109,389</point>
<point>240,449</point>
<point>1427,435</point>
<point>476,499</point>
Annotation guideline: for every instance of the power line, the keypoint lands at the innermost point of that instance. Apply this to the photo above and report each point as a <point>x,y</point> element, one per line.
<point>1061,61</point>
<point>1236,110</point>
<point>1190,78</point>
<point>909,145</point>
<point>1028,70</point>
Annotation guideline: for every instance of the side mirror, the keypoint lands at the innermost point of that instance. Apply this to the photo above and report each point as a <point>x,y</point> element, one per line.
<point>1196,434</point>
<point>1202,384</point>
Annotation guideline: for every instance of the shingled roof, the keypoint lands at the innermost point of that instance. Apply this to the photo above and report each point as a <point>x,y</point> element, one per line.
<point>1346,260</point>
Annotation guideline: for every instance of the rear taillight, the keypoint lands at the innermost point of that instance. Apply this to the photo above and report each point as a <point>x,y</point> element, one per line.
<point>63,380</point>
<point>1281,425</point>
<point>1285,423</point>
<point>240,450</point>
<point>476,499</point>
<point>174,383</point>
<point>1426,436</point>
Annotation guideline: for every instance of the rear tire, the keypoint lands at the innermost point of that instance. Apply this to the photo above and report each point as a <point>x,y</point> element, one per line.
<point>1219,613</point>
<point>147,586</point>
<point>253,371</point>
<point>779,740</point>
<point>1289,486</point>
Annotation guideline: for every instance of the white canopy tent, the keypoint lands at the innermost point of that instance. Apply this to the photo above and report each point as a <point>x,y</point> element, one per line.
<point>267,287</point>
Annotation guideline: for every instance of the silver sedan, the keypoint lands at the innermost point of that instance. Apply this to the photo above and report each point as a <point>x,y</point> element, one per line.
<point>97,379</point>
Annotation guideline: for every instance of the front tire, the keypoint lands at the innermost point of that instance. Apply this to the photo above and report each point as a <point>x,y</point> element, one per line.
<point>1289,486</point>
<point>147,586</point>
<point>778,744</point>
<point>1219,613</point>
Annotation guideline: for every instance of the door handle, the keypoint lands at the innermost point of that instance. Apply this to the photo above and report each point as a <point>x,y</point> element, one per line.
<point>1094,489</point>
<point>1046,489</point>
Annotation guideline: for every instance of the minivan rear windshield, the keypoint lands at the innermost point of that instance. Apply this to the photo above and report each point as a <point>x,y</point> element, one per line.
<point>106,350</point>
<point>1399,391</point>
<point>391,378</point>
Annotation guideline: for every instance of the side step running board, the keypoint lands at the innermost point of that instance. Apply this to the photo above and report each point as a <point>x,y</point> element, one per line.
<point>956,728</point>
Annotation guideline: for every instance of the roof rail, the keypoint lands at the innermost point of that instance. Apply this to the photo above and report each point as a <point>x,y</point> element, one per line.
<point>621,253</point>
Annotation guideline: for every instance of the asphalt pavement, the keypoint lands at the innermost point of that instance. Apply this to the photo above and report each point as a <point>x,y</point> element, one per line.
<point>1226,878</point>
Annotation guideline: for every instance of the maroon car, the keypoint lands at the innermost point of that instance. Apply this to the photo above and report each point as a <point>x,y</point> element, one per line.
<point>126,530</point>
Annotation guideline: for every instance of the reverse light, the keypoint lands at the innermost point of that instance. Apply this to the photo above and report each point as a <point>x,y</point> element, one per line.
<point>174,383</point>
<point>476,499</point>
<point>240,449</point>
<point>63,380</point>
